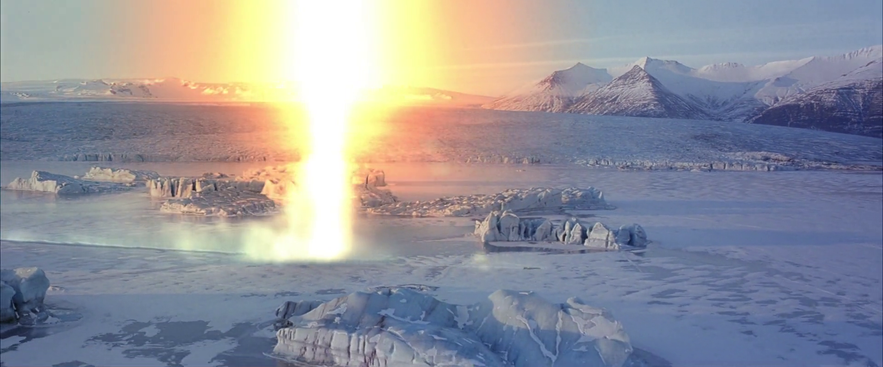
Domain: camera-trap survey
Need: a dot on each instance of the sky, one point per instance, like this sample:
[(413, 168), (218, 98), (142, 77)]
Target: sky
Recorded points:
[(485, 47)]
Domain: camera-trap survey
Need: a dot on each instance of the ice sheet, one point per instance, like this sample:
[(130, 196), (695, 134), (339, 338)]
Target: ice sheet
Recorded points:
[(782, 268)]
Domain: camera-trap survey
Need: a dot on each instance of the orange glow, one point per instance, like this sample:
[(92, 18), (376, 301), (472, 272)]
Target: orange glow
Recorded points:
[(470, 47), (249, 41), (439, 44)]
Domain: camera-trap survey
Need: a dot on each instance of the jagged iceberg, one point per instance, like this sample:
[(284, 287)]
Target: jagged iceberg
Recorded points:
[(402, 327), (508, 227)]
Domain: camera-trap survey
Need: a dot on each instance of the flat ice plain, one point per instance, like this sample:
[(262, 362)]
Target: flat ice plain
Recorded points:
[(745, 268)]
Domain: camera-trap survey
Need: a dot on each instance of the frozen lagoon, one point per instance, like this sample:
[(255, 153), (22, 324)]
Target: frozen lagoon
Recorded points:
[(780, 268)]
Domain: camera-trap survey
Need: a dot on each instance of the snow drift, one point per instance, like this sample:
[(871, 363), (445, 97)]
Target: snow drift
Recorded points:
[(399, 326)]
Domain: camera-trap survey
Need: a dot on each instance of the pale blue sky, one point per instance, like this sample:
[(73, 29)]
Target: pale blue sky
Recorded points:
[(521, 39)]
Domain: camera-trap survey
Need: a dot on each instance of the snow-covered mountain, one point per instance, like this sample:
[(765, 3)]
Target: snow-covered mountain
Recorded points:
[(636, 93), (554, 93), (851, 104), (179, 90), (725, 91), (816, 71), (159, 89)]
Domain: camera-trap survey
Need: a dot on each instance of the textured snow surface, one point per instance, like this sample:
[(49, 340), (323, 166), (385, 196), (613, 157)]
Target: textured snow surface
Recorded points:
[(745, 268), (401, 327), (262, 133)]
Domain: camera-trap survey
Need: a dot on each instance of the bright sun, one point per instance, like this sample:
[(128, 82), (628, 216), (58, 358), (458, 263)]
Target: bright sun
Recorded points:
[(331, 52)]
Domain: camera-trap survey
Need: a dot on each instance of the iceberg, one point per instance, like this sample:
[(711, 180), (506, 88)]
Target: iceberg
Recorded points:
[(22, 292), (508, 227), (402, 327), (41, 181), (118, 174)]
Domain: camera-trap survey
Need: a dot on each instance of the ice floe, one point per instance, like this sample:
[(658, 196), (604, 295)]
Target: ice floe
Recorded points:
[(399, 326), (508, 227), (222, 203), (118, 174), (41, 181)]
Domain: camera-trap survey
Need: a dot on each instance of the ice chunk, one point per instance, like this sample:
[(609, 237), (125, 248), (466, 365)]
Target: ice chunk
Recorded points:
[(509, 224), (42, 181), (508, 227), (118, 174), (372, 196), (184, 187), (637, 236), (489, 229), (576, 235), (30, 286), (624, 236), (544, 231), (397, 326), (7, 312), (369, 177), (602, 237), (223, 203)]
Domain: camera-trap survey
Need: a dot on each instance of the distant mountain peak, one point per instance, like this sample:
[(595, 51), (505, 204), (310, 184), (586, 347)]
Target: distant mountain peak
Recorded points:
[(649, 63), (636, 70), (643, 62), (580, 65), (555, 92), (636, 93), (873, 51), (722, 66)]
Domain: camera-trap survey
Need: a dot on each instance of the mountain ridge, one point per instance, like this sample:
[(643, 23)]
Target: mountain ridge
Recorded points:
[(726, 91), (173, 89)]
